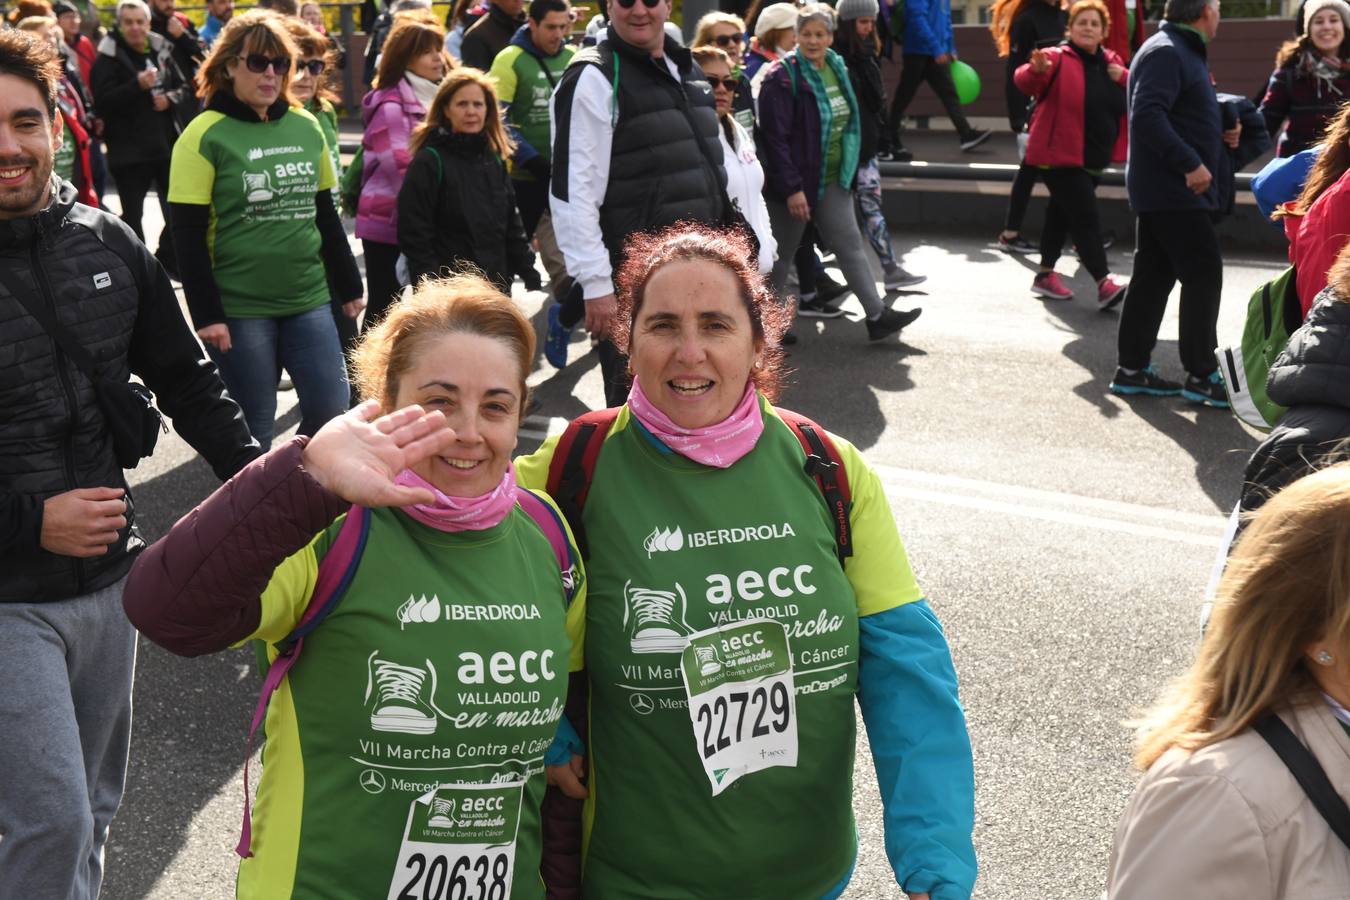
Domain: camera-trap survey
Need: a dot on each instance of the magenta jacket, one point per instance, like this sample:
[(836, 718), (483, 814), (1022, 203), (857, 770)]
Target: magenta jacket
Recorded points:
[(390, 115), (1056, 138)]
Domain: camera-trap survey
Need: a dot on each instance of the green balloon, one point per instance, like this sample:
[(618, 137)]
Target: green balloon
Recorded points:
[(967, 82)]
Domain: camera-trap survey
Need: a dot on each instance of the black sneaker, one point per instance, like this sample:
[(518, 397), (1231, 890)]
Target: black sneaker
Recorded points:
[(1208, 391), (891, 321), (1019, 245), (1145, 381), (813, 309), (827, 289), (972, 140), (899, 154)]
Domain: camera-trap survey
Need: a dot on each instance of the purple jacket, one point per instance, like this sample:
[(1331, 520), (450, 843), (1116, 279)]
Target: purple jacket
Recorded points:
[(390, 115), (788, 134)]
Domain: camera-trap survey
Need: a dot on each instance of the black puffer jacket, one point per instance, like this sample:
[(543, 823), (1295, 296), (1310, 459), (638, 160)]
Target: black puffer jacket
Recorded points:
[(457, 209), (864, 70), (135, 131), (109, 292), (1312, 378)]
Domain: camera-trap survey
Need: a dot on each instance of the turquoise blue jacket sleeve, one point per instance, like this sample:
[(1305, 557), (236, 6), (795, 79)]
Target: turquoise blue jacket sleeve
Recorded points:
[(917, 731), (566, 744)]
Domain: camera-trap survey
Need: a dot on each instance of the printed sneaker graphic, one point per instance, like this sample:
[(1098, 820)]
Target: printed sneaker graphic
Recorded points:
[(663, 540), (657, 617), (706, 657), (399, 693), (258, 186), (416, 609), (442, 813)]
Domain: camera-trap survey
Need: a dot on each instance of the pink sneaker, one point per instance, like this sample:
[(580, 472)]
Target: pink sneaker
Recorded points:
[(1110, 292), (1049, 286)]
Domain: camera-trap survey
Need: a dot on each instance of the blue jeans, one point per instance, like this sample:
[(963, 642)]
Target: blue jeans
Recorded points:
[(307, 345)]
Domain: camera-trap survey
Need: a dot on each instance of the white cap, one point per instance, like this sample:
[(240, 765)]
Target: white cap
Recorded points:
[(775, 16)]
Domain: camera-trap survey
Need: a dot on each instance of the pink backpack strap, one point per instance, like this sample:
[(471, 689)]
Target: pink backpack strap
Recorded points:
[(550, 523), (335, 575)]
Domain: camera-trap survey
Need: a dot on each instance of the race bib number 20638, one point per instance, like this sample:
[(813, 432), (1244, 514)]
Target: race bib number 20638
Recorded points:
[(459, 844), (741, 699)]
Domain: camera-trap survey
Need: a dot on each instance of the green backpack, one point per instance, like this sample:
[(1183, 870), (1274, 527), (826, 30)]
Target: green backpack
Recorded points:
[(349, 188), (1273, 314)]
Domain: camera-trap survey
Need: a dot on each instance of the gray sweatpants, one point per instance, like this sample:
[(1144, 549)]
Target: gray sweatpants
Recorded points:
[(837, 224), (65, 727)]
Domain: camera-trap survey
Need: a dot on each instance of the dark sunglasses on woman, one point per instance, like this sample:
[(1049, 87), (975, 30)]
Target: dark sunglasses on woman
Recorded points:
[(726, 40), (257, 63), (628, 4), (730, 82), (315, 67)]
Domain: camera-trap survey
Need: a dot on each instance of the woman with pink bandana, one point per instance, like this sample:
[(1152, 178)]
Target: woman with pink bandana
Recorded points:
[(740, 600), (407, 745)]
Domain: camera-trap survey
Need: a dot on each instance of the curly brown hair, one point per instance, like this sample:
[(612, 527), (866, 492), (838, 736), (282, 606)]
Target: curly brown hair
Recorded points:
[(314, 45), (731, 249)]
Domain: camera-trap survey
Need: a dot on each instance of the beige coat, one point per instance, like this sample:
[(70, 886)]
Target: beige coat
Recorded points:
[(1230, 821)]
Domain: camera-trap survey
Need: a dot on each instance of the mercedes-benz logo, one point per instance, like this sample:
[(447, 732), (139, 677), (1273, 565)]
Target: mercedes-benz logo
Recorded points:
[(641, 703), (372, 782)]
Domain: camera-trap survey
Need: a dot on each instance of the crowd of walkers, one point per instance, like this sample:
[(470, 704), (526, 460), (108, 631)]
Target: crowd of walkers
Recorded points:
[(520, 676)]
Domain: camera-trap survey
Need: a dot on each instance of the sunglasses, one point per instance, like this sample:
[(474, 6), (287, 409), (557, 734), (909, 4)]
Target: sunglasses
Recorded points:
[(258, 64), (628, 4), (730, 82), (726, 40), (315, 67)]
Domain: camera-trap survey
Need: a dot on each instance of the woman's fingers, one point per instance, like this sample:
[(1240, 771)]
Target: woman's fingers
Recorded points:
[(426, 446), (388, 424), (397, 495)]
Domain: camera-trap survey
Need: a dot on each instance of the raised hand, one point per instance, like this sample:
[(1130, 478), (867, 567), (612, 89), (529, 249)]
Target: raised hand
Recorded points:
[(357, 456), (1040, 63)]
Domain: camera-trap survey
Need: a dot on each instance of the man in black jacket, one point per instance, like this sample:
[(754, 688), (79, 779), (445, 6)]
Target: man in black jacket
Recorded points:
[(66, 519), (491, 33)]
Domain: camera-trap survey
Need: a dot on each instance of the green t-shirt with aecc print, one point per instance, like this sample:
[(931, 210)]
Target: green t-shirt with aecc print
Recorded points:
[(259, 179), (839, 113), (64, 162)]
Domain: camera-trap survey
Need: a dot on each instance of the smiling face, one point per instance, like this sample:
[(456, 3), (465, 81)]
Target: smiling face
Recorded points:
[(641, 25), (1086, 31), (693, 345), (476, 382), (466, 110), (1327, 31), (28, 141), (813, 39)]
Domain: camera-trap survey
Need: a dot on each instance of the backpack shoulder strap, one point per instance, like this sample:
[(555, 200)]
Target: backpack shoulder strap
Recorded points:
[(336, 570), (573, 465), (440, 167), (826, 467), (1308, 773), (550, 523)]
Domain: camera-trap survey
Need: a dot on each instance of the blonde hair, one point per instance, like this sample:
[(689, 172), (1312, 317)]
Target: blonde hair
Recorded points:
[(703, 32), (459, 304), (256, 31), (1286, 586), (498, 139)]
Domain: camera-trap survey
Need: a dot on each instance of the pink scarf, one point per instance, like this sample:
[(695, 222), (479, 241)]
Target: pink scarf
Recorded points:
[(461, 513), (717, 445)]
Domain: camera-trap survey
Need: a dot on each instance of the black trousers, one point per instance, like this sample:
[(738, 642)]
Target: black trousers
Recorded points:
[(532, 201), (915, 70), (1019, 198), (1073, 211), (1172, 247), (133, 183), (382, 287)]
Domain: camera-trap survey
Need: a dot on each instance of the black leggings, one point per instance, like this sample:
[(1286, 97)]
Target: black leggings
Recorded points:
[(133, 182), (915, 69), (1019, 198), (1073, 211), (382, 287)]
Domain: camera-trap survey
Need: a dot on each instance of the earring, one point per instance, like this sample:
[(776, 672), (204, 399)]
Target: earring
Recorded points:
[(1324, 658)]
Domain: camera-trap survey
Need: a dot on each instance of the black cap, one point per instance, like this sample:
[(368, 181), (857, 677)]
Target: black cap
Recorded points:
[(61, 7)]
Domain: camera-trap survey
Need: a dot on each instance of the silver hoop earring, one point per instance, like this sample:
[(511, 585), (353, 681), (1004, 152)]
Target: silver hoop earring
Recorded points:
[(1325, 658)]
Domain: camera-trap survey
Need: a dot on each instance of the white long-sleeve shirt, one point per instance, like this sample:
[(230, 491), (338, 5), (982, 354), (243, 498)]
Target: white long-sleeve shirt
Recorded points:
[(745, 188), (576, 220)]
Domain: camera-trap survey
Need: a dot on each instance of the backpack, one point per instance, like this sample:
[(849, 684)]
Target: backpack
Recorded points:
[(573, 465), (349, 187), (336, 571), (1273, 314)]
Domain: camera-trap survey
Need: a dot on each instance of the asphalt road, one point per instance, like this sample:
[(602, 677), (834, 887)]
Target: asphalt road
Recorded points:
[(1063, 535)]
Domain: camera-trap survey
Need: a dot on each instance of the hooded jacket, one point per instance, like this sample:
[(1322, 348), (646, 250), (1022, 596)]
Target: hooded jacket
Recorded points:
[(457, 209), (526, 77), (390, 115), (488, 36), (135, 131), (1059, 123), (108, 291), (1312, 378)]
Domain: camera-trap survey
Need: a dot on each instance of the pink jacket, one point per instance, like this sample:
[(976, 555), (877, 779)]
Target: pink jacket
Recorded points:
[(1056, 137), (390, 115)]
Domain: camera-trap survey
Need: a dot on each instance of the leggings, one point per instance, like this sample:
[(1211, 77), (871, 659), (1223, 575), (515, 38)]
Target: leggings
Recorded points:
[(873, 221), (1073, 212), (838, 226), (1020, 196), (382, 287)]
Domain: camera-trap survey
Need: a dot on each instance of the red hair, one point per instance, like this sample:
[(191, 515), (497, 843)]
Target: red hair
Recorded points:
[(732, 250)]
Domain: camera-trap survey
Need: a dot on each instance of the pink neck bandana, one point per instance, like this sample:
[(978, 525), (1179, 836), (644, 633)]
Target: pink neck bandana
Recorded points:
[(461, 513), (718, 445)]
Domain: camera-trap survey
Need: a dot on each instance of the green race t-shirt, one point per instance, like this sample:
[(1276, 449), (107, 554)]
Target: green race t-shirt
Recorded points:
[(446, 663), (63, 166), (326, 115), (679, 548), (525, 83), (259, 178), (839, 114)]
